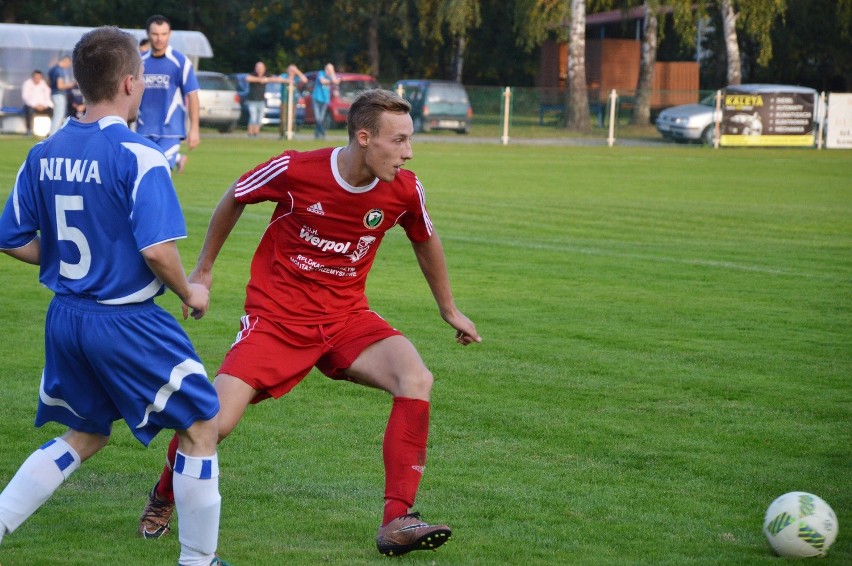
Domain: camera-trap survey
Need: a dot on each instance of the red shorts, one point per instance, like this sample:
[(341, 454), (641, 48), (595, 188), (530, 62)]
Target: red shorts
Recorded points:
[(274, 357)]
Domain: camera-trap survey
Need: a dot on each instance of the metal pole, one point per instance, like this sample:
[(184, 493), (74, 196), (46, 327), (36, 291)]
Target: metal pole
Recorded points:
[(613, 96), (507, 97), (820, 113), (717, 117), (290, 92)]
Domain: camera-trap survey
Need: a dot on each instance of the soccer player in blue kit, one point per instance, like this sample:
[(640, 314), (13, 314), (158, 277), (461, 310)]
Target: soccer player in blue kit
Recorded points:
[(94, 207), (169, 80)]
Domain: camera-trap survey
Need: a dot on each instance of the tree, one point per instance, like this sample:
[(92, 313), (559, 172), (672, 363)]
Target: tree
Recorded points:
[(458, 17), (732, 46), (645, 86), (578, 96), (812, 49)]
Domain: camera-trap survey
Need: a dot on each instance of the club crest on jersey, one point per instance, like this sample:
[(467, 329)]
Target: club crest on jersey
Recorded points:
[(373, 218)]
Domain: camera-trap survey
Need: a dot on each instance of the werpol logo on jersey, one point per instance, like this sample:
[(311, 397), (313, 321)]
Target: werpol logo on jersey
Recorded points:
[(74, 170), (373, 218), (310, 236), (157, 81), (363, 247)]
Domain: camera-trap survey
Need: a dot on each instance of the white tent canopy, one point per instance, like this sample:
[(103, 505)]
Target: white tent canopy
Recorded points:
[(63, 38), (25, 48)]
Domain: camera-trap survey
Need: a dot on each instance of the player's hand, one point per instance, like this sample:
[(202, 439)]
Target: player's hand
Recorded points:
[(193, 138), (204, 277), (198, 300), (465, 329)]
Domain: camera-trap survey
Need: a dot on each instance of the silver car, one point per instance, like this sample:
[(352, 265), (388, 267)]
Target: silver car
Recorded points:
[(218, 101), (689, 122)]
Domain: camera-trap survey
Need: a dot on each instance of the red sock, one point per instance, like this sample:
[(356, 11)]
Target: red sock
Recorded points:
[(165, 488), (404, 452)]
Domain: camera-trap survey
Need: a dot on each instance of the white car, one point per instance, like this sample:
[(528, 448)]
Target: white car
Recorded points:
[(689, 122), (218, 101)]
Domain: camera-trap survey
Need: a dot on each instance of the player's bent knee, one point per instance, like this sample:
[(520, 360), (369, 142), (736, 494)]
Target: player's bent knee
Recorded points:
[(86, 444), (200, 439), (416, 385)]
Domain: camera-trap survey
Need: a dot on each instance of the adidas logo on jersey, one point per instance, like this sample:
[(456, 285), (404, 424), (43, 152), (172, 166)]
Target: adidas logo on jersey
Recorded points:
[(316, 209)]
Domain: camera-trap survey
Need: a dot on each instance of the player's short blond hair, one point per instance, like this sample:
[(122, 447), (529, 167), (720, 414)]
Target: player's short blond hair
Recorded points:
[(369, 106)]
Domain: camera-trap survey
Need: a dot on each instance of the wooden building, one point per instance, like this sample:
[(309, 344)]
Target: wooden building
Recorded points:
[(613, 63)]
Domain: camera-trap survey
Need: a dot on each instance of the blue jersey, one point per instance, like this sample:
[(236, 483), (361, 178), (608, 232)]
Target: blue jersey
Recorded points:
[(168, 79), (97, 194)]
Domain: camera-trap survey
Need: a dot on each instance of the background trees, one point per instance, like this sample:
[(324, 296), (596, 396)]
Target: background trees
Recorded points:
[(488, 42)]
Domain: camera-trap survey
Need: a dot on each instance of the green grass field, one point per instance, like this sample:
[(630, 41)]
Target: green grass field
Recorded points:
[(667, 348)]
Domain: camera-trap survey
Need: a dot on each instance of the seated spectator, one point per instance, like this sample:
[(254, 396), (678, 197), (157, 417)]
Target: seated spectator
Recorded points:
[(36, 95), (76, 104)]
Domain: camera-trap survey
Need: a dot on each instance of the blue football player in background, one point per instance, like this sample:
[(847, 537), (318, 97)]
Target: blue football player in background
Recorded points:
[(95, 208), (171, 89)]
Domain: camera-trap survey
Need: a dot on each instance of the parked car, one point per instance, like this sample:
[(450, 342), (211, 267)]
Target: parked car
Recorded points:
[(437, 105), (218, 101), (342, 97), (272, 113), (696, 123), (689, 122)]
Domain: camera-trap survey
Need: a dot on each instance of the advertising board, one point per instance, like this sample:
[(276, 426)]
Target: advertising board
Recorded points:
[(768, 117)]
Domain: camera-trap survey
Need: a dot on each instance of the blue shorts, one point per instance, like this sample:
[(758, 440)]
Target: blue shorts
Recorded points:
[(255, 111), (133, 362)]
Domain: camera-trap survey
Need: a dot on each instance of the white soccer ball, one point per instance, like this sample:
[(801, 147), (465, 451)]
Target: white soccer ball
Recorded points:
[(800, 524)]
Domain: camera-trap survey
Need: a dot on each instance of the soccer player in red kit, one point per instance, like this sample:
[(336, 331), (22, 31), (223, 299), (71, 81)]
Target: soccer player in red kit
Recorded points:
[(305, 301)]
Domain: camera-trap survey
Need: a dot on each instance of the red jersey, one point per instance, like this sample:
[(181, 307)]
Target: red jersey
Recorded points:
[(312, 262)]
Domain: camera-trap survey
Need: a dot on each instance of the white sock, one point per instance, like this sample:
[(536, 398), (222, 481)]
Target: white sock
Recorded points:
[(198, 503), (36, 480)]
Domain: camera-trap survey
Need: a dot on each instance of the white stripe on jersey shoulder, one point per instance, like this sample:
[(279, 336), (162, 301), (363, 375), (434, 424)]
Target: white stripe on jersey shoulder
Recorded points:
[(170, 55), (187, 68), (147, 158), (108, 121), (421, 192), (339, 178), (262, 176), (16, 204)]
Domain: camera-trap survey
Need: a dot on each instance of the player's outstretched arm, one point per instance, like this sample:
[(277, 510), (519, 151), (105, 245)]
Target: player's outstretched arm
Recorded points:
[(30, 253), (164, 261), (222, 222), (430, 256)]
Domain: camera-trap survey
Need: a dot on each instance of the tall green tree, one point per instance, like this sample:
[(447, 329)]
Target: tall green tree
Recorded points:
[(741, 20), (455, 18)]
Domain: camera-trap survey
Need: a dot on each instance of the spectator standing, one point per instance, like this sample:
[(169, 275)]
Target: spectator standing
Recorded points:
[(61, 83), (36, 95), (113, 252), (321, 96), (169, 80), (295, 77), (256, 97)]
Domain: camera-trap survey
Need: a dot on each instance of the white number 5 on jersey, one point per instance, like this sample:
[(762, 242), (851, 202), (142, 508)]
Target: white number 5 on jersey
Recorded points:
[(74, 235)]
